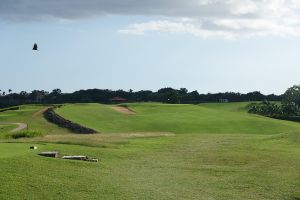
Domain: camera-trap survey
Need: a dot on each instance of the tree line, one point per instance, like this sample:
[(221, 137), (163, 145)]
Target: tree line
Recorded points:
[(288, 108), (164, 95)]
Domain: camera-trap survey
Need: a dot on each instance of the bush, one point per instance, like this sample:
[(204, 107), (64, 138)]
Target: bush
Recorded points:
[(265, 108), (26, 134)]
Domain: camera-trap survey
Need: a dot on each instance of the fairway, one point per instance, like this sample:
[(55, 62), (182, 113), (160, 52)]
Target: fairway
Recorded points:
[(155, 117), (162, 151)]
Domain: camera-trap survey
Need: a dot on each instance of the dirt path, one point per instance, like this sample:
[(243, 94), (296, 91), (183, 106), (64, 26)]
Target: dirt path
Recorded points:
[(40, 112), (123, 110), (21, 126)]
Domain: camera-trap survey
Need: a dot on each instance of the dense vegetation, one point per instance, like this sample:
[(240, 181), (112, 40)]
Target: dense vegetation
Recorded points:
[(166, 95), (289, 108)]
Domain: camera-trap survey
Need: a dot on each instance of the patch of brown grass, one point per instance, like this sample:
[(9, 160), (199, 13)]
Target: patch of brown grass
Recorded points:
[(98, 139)]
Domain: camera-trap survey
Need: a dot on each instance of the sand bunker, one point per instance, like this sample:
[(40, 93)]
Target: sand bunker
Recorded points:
[(123, 110)]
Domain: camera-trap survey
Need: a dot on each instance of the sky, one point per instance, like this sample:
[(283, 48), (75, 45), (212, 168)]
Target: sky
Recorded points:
[(205, 45)]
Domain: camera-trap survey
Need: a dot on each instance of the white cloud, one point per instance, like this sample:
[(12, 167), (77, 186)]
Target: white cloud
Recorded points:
[(240, 19), (203, 18), (174, 27)]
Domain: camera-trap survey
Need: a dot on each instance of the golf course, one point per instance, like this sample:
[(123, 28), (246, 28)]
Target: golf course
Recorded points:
[(151, 151)]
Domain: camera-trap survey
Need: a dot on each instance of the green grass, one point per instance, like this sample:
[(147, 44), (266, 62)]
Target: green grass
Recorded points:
[(25, 134), (206, 118), (26, 114), (219, 152), (5, 128)]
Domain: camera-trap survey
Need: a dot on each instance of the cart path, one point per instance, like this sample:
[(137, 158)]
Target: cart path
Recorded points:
[(40, 112), (20, 126)]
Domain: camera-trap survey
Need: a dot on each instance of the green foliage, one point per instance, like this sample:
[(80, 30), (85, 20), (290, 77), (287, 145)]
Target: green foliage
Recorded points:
[(266, 108), (290, 109), (292, 95), (25, 134)]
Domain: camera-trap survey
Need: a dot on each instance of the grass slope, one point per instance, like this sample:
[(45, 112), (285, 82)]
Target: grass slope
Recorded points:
[(29, 114), (241, 156), (206, 118)]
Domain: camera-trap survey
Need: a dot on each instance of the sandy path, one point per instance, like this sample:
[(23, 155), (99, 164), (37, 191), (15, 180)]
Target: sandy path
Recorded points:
[(123, 110), (21, 126), (40, 112)]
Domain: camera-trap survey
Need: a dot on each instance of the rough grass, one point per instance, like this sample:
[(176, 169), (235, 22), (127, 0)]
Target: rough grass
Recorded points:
[(25, 134), (240, 156), (209, 166)]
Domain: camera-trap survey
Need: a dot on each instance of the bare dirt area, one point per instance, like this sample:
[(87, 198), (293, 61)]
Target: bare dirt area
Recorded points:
[(40, 112), (21, 126), (123, 110)]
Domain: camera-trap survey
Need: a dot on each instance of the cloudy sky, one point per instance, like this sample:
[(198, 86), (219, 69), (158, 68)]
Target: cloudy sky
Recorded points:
[(204, 45)]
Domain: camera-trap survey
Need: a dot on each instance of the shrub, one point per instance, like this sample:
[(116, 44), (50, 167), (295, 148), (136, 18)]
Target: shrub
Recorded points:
[(266, 108), (26, 134)]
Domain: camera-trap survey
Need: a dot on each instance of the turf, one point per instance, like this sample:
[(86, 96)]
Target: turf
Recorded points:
[(5, 129), (27, 114), (206, 118), (242, 157)]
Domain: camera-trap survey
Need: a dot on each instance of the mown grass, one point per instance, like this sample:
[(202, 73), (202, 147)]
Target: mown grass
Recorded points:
[(152, 117), (241, 157), (27, 114), (5, 128), (183, 167)]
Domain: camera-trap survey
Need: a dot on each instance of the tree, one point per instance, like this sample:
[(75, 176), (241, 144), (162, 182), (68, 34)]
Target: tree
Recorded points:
[(292, 95), (290, 109), (172, 97)]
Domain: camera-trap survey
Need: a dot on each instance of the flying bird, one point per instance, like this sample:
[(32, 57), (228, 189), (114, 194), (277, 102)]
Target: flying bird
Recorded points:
[(35, 47)]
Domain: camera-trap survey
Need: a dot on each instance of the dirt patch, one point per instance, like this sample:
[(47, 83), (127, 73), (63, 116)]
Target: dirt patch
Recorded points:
[(40, 112), (21, 126), (123, 110)]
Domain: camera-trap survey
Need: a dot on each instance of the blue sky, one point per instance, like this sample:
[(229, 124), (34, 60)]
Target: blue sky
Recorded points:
[(146, 51)]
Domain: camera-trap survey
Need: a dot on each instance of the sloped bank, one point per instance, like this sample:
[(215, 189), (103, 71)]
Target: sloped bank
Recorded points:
[(51, 116), (10, 108)]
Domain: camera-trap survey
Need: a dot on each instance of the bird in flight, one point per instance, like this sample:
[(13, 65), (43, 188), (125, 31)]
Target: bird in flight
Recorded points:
[(35, 47)]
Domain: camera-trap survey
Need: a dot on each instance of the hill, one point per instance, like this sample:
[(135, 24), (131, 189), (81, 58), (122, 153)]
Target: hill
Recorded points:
[(160, 151)]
